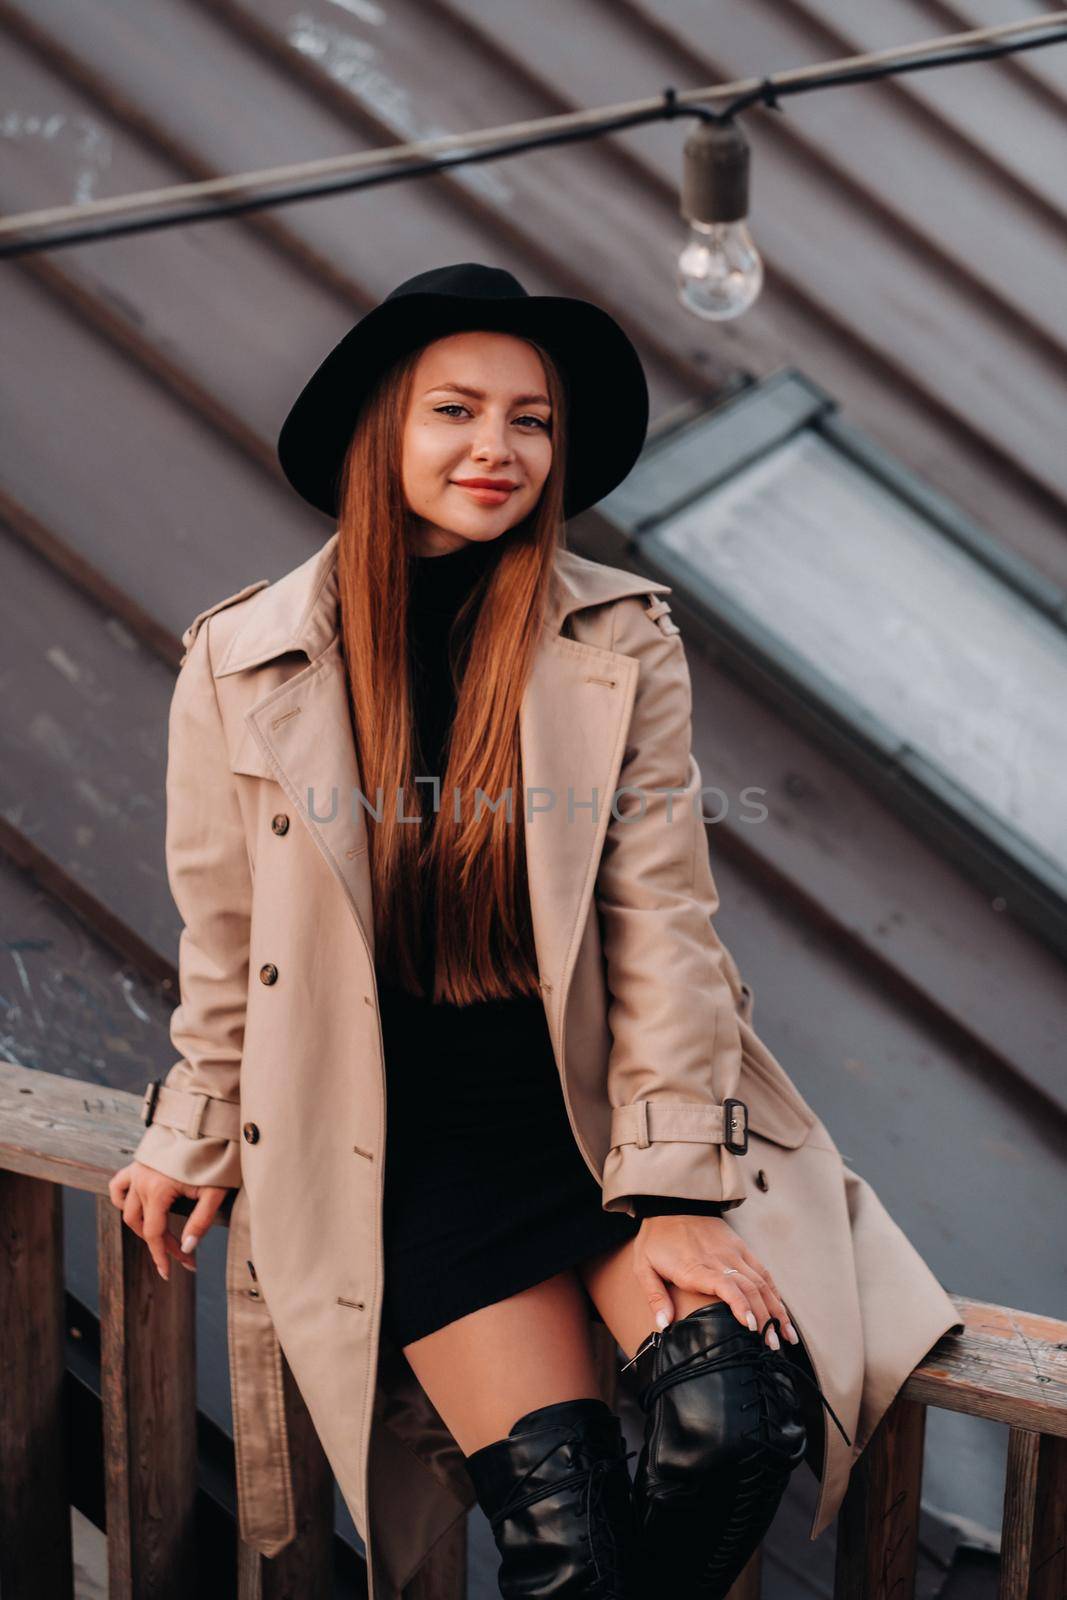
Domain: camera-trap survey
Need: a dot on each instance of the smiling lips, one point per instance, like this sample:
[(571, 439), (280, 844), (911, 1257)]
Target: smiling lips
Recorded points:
[(490, 491)]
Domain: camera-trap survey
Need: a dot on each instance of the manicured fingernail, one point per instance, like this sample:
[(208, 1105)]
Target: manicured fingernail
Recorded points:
[(662, 1319), (791, 1333), (189, 1242), (751, 1320), (773, 1340), (162, 1274)]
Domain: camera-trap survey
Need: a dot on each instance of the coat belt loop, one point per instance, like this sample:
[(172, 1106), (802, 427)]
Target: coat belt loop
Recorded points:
[(196, 1116), (643, 1139)]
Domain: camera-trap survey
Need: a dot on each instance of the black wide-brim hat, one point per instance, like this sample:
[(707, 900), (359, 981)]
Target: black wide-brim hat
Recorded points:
[(607, 396)]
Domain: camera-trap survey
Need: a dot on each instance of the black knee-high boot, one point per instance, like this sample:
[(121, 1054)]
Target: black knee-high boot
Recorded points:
[(724, 1429), (558, 1496)]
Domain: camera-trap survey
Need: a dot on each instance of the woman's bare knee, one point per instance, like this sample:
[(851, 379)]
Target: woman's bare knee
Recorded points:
[(487, 1369)]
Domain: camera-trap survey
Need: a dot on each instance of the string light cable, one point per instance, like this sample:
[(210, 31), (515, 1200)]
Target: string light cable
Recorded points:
[(723, 274)]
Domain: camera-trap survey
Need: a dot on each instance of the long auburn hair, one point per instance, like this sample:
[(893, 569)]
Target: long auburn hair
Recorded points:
[(474, 866)]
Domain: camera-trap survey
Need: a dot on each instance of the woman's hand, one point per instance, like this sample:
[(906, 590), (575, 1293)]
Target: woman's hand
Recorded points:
[(145, 1196), (694, 1253)]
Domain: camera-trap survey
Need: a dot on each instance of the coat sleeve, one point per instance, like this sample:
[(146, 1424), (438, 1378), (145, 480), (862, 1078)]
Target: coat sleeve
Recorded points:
[(676, 1043), (194, 1128)]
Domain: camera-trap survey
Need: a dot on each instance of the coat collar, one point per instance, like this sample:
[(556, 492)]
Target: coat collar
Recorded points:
[(300, 612)]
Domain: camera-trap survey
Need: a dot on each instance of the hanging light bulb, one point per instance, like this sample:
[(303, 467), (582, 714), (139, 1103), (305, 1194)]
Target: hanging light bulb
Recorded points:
[(720, 271)]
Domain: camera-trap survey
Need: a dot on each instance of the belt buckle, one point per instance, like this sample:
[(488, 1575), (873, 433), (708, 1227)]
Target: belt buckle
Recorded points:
[(148, 1101), (737, 1147)]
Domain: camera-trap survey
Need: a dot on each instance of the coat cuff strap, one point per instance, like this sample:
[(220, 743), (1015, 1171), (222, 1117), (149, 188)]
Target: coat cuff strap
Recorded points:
[(685, 1121), (198, 1116)]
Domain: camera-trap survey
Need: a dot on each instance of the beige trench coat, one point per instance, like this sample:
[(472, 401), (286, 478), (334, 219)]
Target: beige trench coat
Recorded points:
[(280, 1091)]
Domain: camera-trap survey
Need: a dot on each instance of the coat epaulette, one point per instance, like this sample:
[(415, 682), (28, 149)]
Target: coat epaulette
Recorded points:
[(231, 599), (659, 611)]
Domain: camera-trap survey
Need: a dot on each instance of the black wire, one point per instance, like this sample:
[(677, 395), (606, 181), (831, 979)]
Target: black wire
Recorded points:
[(207, 211), (885, 69), (767, 93)]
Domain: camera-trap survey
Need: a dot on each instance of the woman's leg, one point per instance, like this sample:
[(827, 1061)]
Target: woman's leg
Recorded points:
[(492, 1366), (719, 1442), (516, 1385)]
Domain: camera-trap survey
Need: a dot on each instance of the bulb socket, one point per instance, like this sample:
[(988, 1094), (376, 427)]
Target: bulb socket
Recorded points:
[(715, 174)]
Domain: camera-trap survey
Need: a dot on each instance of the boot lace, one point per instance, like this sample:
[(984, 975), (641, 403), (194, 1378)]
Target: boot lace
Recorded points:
[(601, 1537), (763, 1364), (604, 1550), (768, 1461)]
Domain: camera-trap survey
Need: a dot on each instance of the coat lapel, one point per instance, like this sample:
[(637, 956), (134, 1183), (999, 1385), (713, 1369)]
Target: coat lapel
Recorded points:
[(304, 730), (573, 720), (572, 726)]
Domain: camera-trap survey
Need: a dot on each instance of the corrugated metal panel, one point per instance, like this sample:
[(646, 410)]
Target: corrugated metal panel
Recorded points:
[(71, 1005)]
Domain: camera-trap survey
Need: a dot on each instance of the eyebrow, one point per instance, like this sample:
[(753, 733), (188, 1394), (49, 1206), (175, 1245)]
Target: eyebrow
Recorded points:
[(478, 394)]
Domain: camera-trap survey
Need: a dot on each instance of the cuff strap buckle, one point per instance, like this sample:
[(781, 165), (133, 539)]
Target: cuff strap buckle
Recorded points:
[(148, 1101), (735, 1127)]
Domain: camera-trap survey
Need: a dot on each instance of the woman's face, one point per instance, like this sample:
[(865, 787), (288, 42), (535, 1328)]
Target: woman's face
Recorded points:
[(479, 410)]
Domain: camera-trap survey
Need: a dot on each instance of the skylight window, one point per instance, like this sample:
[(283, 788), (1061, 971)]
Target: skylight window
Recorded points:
[(908, 634)]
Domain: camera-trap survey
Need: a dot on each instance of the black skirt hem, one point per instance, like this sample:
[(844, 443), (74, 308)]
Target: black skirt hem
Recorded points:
[(501, 1286)]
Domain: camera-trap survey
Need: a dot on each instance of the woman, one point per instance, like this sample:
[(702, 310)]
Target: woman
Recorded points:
[(525, 1182)]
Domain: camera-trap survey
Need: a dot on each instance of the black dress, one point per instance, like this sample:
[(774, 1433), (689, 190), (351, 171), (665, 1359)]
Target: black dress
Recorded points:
[(486, 1190)]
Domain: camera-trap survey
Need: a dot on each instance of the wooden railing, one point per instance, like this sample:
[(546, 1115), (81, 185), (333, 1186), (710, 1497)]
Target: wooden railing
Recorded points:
[(1010, 1366)]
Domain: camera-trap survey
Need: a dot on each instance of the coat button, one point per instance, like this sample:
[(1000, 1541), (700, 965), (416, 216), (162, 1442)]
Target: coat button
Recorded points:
[(761, 1180), (280, 823), (251, 1132), (269, 973)]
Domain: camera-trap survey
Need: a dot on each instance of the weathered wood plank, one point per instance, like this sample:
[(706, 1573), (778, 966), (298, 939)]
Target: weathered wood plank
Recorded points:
[(65, 1130), (35, 1537), (1010, 1366), (148, 1396), (1033, 1550), (878, 1524)]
